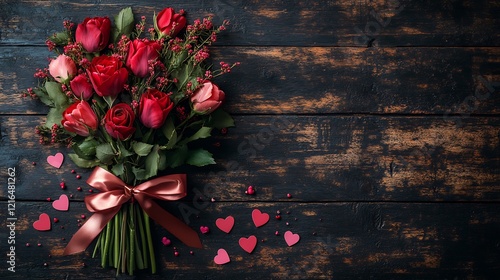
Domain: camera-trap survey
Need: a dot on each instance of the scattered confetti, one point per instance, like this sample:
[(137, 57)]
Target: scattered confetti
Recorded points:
[(204, 229), (291, 238), (222, 257), (165, 241), (56, 160), (225, 224), (43, 223), (248, 244), (61, 204), (259, 218)]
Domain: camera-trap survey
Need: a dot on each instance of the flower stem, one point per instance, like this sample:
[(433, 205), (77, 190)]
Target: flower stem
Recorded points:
[(143, 237), (150, 243), (131, 239), (107, 241)]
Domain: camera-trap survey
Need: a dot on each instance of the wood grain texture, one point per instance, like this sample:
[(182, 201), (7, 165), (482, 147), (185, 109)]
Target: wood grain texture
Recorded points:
[(279, 22), (292, 80), (352, 240), (317, 158)]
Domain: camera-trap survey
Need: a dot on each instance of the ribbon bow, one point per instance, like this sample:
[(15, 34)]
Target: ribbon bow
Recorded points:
[(114, 192)]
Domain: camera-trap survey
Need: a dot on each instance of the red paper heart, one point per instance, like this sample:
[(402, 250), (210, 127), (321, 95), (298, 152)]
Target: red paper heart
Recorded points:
[(259, 218), (222, 257), (226, 225), (165, 241), (204, 229), (43, 223), (291, 238), (56, 160), (62, 204), (248, 244)]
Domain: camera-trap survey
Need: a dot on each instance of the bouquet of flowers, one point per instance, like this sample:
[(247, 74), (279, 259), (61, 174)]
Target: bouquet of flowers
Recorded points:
[(130, 102)]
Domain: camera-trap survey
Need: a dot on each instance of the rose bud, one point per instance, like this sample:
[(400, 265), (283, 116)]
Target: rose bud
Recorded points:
[(80, 119), (207, 98), (140, 53), (107, 74), (169, 23), (62, 68), (93, 33), (81, 87), (119, 121), (154, 108)]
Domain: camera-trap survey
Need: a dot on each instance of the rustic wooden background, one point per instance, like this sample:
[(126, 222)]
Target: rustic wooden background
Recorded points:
[(381, 118)]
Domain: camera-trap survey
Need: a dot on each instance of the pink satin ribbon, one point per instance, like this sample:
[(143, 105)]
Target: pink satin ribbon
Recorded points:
[(114, 192)]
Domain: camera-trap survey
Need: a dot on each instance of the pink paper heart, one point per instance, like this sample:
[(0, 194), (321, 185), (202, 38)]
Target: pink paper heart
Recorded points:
[(56, 160), (165, 241), (61, 204), (248, 244), (226, 225), (222, 257), (259, 218), (204, 229), (291, 238), (43, 223)]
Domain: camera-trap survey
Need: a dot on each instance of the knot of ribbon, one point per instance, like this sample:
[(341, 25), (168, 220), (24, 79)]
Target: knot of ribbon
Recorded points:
[(114, 192)]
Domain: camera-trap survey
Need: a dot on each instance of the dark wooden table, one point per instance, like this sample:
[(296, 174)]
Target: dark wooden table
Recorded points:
[(380, 118)]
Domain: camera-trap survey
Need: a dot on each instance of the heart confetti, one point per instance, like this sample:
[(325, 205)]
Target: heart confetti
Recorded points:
[(165, 241), (259, 218), (204, 229), (56, 160), (248, 244), (291, 238), (43, 223), (61, 204), (222, 257), (226, 225)]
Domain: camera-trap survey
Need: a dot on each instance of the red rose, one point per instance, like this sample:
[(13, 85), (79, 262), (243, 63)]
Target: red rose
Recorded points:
[(81, 87), (80, 119), (62, 68), (154, 108), (169, 23), (140, 53), (119, 121), (107, 74), (207, 98), (93, 33)]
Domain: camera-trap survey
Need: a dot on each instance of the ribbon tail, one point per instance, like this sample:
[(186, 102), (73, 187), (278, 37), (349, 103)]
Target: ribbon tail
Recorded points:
[(173, 225), (89, 231)]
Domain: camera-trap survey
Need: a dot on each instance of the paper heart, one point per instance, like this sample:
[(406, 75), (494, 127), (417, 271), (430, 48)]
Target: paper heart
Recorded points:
[(165, 241), (248, 244), (259, 218), (204, 229), (226, 225), (56, 160), (61, 204), (291, 238), (222, 257), (43, 223)]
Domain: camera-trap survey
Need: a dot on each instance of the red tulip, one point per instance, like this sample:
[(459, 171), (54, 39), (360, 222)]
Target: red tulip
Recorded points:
[(80, 119), (62, 68), (207, 98), (154, 108), (81, 87), (93, 33), (107, 74), (119, 121), (140, 53), (169, 23)]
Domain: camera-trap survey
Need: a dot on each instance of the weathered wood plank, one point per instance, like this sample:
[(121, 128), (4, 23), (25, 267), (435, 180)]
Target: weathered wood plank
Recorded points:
[(351, 241), (309, 23), (290, 80), (315, 158)]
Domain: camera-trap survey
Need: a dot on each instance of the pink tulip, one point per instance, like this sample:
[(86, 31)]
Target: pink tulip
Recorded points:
[(62, 68), (207, 98), (80, 119)]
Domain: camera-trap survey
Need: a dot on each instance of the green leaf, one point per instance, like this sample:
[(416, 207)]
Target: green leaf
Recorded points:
[(55, 93), (124, 152), (200, 157), (203, 132), (54, 117), (118, 169), (86, 149), (176, 157), (139, 173), (83, 163), (142, 149), (105, 153), (220, 119), (41, 93), (162, 162), (124, 23), (152, 162), (170, 133)]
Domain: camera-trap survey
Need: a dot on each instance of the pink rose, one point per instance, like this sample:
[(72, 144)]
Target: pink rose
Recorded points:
[(154, 108), (81, 87), (93, 33), (140, 53), (207, 98), (169, 23), (62, 68), (80, 119)]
